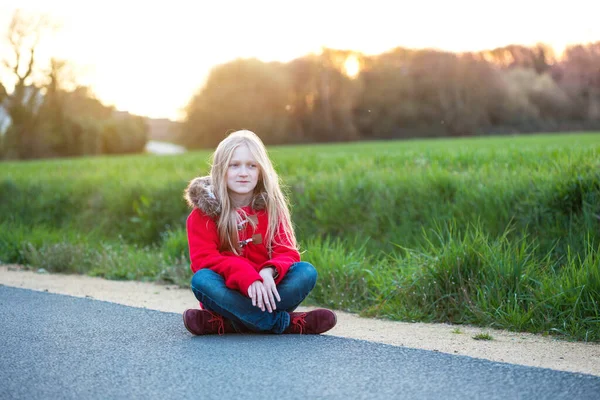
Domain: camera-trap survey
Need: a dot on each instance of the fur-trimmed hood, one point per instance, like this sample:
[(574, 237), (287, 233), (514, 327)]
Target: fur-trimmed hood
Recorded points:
[(200, 194)]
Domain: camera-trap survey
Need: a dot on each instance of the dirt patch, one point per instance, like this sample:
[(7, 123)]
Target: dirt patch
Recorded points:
[(510, 347)]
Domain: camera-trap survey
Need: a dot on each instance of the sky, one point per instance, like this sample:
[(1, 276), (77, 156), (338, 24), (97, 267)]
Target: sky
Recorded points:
[(150, 58)]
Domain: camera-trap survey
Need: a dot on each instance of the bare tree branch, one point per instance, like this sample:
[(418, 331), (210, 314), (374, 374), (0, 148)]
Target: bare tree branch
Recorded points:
[(7, 64), (24, 35), (3, 93), (30, 66)]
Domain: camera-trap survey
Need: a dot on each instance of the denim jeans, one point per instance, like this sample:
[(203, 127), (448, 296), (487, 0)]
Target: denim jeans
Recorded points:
[(209, 288)]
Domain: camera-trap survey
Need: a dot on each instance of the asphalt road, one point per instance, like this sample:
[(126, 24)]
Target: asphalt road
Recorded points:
[(62, 347)]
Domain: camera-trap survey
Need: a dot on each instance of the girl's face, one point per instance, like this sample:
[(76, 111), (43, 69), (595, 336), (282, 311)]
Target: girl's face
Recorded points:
[(242, 173)]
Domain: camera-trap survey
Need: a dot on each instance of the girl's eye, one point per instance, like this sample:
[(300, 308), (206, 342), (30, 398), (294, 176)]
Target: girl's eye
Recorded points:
[(234, 165), (252, 165)]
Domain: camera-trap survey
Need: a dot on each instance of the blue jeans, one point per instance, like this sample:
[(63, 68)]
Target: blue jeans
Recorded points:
[(209, 288)]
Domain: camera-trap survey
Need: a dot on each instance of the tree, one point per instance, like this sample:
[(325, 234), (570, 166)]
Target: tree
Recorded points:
[(540, 57), (47, 120), (23, 103), (410, 93), (323, 97), (242, 94), (579, 75)]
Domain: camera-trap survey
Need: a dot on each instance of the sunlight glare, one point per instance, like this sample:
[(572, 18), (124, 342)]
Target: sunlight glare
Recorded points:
[(352, 66)]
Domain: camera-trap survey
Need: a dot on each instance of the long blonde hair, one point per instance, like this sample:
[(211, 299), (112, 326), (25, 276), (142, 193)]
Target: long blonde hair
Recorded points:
[(276, 203)]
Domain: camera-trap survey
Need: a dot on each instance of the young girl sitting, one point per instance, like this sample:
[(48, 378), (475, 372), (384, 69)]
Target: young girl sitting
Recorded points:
[(248, 276)]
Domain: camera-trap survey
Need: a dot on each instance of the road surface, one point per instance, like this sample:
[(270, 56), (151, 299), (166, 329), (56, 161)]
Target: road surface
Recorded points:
[(62, 347)]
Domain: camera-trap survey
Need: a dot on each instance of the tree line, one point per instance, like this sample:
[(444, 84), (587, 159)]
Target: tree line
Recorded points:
[(336, 95), (403, 93), (41, 118)]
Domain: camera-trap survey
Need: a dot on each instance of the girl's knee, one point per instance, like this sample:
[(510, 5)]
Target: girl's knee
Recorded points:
[(308, 272), (203, 279)]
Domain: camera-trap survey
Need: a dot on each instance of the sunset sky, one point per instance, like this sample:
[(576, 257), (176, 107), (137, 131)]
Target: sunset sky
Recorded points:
[(150, 58)]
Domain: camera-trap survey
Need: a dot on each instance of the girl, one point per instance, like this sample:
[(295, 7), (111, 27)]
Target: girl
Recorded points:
[(247, 270)]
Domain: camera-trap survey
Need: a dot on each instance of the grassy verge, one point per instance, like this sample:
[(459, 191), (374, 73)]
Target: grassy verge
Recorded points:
[(500, 232)]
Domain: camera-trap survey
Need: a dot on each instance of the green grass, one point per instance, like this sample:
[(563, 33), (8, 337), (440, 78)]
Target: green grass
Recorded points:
[(499, 231), (483, 336)]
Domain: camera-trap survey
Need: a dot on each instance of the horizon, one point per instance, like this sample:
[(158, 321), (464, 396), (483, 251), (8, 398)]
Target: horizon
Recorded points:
[(176, 60)]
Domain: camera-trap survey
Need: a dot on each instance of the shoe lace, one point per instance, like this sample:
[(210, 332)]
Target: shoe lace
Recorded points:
[(216, 318), (299, 321)]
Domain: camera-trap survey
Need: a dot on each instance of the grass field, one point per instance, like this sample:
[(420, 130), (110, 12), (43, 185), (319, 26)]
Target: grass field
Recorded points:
[(495, 231)]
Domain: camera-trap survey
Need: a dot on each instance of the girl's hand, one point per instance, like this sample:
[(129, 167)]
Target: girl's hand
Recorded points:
[(270, 287), (258, 294)]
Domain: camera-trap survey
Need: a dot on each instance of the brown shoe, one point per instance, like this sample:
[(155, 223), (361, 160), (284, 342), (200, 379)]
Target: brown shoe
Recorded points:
[(203, 322), (312, 322)]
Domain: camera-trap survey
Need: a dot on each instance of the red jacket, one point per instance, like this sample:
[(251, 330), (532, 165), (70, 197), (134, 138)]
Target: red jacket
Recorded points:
[(239, 271)]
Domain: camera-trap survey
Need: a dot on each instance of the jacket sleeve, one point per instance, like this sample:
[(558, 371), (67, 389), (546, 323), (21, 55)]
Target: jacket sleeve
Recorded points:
[(284, 255), (203, 242)]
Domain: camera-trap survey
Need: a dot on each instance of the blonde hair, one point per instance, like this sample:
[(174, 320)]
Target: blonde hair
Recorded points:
[(276, 203)]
